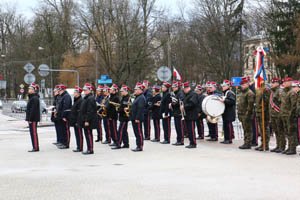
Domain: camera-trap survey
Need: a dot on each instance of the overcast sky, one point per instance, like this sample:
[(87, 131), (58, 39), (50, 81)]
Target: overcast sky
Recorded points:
[(25, 6)]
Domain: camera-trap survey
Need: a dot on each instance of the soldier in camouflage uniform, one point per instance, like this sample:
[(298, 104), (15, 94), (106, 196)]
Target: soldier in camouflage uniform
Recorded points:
[(245, 111), (288, 114), (275, 120), (262, 94)]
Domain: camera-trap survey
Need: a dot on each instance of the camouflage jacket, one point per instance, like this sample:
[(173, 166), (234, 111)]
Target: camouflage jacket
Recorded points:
[(246, 103), (275, 102), (288, 99)]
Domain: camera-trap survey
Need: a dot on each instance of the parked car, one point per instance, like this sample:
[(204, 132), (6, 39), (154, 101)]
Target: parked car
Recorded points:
[(1, 104), (18, 106)]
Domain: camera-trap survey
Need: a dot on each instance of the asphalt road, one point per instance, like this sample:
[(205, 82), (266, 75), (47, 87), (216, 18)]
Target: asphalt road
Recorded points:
[(212, 171)]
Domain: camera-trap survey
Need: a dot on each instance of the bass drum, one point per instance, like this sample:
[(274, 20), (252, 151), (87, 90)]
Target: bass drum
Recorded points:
[(212, 106)]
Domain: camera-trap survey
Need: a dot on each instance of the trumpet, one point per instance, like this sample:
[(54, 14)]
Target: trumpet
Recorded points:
[(117, 105), (102, 111), (127, 110)]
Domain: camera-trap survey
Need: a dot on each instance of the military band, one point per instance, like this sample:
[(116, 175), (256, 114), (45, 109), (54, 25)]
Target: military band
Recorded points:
[(277, 106)]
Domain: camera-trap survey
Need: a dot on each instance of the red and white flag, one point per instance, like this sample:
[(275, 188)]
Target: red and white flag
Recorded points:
[(177, 75)]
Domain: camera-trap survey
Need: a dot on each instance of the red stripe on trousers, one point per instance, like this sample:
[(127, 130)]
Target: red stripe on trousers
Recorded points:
[(193, 131), (157, 129), (141, 136), (115, 130), (182, 133), (68, 133), (80, 138), (91, 141), (108, 126), (34, 135), (121, 133), (230, 131)]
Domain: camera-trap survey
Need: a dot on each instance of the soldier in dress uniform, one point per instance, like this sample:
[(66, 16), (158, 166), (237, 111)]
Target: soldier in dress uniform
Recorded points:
[(147, 113), (156, 114), (201, 115), (245, 111), (123, 118), (276, 122), (106, 91), (63, 115), (112, 113), (166, 112), (54, 114), (99, 99), (213, 128), (33, 115), (229, 114), (137, 116), (75, 120), (262, 95), (88, 117), (189, 107)]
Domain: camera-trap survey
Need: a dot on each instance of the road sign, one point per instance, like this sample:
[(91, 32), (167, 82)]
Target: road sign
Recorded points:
[(44, 70), (164, 73), (104, 80), (29, 67), (22, 90), (236, 81), (2, 84), (29, 78)]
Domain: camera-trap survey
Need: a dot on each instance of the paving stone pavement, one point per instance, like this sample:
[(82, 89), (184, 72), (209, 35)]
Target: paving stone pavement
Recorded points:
[(162, 172)]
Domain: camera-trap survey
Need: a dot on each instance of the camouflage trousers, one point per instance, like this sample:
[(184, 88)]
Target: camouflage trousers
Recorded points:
[(260, 128), (247, 123), (290, 129), (277, 126)]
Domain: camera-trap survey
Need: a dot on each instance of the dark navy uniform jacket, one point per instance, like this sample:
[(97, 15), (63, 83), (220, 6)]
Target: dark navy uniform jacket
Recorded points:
[(64, 106)]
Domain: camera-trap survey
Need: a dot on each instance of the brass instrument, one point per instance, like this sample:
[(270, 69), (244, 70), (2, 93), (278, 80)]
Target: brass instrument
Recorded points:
[(102, 111), (117, 105), (127, 109)]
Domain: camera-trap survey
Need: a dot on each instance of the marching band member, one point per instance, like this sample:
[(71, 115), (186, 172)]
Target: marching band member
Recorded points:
[(137, 116), (189, 107), (177, 97), (74, 120), (54, 114), (229, 114), (63, 114), (106, 91), (99, 99), (33, 115), (213, 128), (166, 112), (147, 113), (123, 118), (88, 117), (112, 113), (156, 114), (201, 115)]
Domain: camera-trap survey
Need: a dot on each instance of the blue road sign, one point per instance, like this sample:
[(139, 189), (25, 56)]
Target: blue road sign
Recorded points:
[(104, 80), (236, 81)]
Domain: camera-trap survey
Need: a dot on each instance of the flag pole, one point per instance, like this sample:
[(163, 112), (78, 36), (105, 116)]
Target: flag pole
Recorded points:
[(263, 116)]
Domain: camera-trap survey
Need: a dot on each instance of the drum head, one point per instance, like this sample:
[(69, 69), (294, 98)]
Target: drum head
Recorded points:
[(212, 106)]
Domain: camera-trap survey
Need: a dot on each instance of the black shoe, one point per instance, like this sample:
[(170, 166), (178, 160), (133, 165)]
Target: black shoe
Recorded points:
[(186, 136), (291, 152), (116, 147), (113, 145), (260, 148), (98, 140), (147, 139), (55, 143), (245, 146), (155, 140), (274, 150), (279, 150), (77, 150), (191, 146), (165, 142), (63, 147), (284, 152), (34, 150), (226, 142), (88, 152), (106, 142), (207, 136), (137, 149), (59, 144), (201, 138), (178, 144), (125, 146), (254, 145), (212, 140)]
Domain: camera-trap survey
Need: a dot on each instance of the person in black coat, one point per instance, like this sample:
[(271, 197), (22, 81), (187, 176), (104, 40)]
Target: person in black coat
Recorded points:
[(54, 115), (191, 113), (123, 118), (63, 116), (147, 112), (88, 117), (137, 116), (177, 96), (99, 99), (201, 115), (156, 114), (166, 112), (33, 115), (228, 116), (74, 120), (112, 113)]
